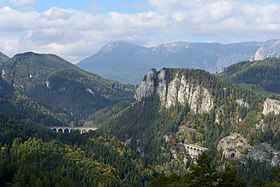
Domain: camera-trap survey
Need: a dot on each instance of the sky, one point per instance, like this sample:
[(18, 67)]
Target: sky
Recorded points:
[(76, 29)]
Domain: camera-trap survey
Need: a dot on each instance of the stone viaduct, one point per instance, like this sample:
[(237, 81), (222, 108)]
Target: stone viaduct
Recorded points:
[(194, 150), (71, 129)]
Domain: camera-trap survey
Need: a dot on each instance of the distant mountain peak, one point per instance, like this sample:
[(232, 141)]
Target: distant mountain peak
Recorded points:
[(117, 44)]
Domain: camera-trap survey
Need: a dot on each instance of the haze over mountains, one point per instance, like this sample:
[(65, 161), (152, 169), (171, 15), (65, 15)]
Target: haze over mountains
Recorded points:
[(127, 62)]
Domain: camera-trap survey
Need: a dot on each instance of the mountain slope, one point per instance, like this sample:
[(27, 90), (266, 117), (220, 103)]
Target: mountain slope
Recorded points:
[(127, 62), (3, 58), (54, 82), (20, 107), (261, 75)]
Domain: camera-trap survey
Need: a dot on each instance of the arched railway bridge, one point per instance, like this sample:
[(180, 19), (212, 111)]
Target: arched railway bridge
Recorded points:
[(64, 129)]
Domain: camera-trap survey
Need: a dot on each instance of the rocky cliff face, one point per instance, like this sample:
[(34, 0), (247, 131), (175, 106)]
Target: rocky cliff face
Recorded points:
[(271, 106), (233, 146), (175, 91)]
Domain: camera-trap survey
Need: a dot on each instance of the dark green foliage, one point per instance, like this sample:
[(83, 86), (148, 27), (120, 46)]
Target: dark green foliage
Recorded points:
[(5, 88), (163, 181), (33, 155), (57, 164), (100, 117), (261, 171), (230, 177), (18, 106), (260, 75), (202, 174)]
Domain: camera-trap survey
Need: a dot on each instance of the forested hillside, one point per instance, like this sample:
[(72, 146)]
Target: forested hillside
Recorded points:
[(31, 155), (193, 105), (263, 75), (18, 106), (61, 86)]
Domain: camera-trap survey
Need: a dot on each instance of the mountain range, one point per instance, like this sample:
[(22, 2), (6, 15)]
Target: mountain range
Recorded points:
[(127, 62)]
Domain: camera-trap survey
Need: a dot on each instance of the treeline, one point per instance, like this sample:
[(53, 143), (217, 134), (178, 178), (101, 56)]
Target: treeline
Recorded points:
[(34, 156), (205, 174)]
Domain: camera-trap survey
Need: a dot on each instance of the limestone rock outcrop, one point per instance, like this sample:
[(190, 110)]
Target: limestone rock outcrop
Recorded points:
[(147, 86), (264, 153), (242, 103), (233, 145), (176, 91), (271, 106)]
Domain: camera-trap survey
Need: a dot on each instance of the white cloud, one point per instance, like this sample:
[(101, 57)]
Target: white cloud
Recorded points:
[(23, 2), (75, 35)]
